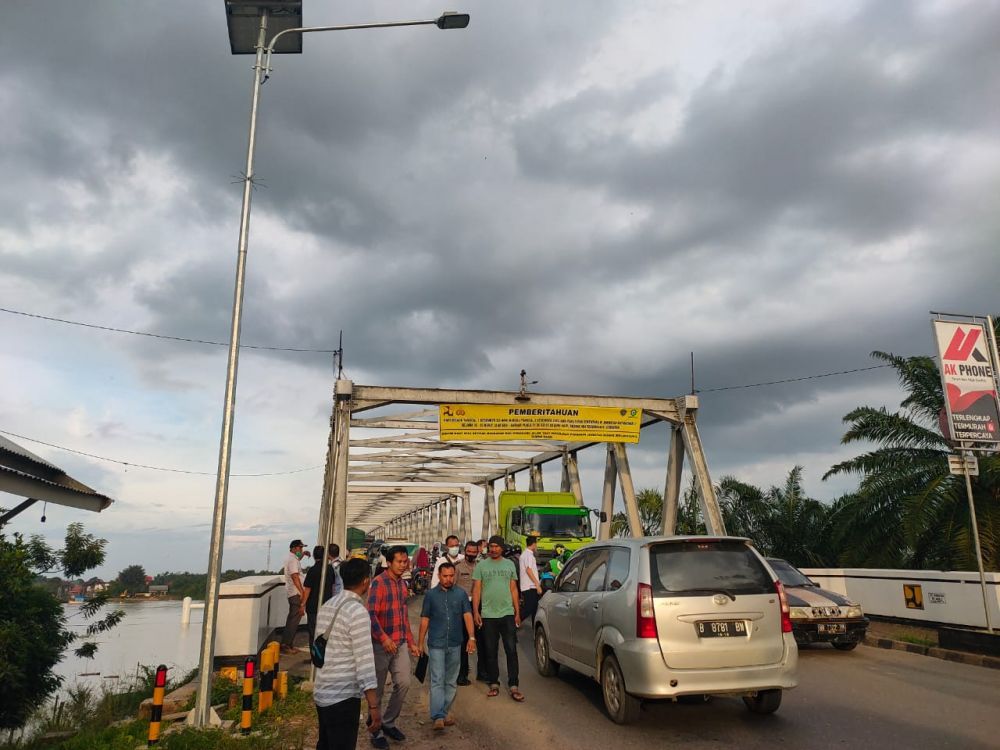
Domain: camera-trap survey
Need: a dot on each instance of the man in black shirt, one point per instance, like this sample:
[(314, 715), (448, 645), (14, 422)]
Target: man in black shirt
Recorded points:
[(333, 585)]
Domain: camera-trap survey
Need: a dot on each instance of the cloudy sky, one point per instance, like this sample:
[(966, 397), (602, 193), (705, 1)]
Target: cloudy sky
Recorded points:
[(587, 190)]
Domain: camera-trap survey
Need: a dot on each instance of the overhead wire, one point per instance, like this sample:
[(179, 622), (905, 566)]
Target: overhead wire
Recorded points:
[(791, 380), (338, 353), (133, 464), (148, 334)]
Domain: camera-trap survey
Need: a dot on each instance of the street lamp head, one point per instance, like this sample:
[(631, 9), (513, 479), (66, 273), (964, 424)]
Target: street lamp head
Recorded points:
[(243, 20), (452, 20)]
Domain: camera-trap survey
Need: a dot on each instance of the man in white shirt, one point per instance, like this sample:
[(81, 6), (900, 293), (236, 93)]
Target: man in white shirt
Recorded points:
[(294, 592), (452, 554), (531, 584), (348, 670)]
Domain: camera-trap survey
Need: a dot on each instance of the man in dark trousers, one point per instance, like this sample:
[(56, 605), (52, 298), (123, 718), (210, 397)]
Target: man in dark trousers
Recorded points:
[(348, 671), (293, 590), (496, 607), (464, 568), (530, 583), (310, 587)]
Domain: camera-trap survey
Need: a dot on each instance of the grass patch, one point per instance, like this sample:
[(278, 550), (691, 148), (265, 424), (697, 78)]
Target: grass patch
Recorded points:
[(107, 721), (917, 640)]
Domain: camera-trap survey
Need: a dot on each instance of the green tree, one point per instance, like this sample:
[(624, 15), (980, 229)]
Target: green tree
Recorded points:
[(780, 521), (132, 579), (650, 504), (908, 510), (33, 633)]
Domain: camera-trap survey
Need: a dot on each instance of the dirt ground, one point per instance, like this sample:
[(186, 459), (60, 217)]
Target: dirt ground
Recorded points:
[(415, 721)]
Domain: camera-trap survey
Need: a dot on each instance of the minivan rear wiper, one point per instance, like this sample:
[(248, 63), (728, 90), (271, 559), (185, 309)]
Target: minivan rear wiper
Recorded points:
[(728, 593)]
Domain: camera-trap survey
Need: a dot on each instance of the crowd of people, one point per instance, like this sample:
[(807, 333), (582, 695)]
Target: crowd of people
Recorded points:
[(473, 606)]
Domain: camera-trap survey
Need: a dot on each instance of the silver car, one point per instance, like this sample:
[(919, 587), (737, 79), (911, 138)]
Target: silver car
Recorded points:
[(665, 617)]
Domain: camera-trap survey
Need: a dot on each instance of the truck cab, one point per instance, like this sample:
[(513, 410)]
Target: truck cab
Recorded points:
[(554, 517)]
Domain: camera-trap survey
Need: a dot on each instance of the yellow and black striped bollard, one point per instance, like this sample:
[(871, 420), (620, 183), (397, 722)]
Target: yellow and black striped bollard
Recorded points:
[(276, 656), (156, 712), (246, 714), (266, 697)]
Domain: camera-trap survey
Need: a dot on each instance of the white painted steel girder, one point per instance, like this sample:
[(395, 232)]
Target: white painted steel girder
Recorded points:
[(419, 485)]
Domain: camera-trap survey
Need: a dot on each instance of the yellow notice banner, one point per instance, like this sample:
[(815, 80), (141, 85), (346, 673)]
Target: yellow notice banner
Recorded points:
[(528, 422)]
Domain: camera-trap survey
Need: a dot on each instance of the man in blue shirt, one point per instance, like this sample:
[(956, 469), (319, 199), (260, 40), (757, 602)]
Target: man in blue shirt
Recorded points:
[(446, 612)]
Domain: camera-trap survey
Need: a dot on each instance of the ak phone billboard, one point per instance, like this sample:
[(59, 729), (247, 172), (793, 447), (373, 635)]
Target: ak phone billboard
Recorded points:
[(966, 354)]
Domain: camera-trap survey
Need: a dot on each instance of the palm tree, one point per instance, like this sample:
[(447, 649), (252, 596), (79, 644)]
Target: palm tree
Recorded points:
[(908, 510), (650, 504), (744, 510), (781, 521)]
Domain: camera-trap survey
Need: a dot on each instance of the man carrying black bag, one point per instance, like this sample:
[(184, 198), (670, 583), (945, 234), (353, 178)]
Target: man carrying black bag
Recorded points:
[(348, 662), (445, 616)]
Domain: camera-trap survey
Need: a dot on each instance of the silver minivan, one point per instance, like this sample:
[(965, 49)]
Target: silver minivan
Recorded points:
[(665, 617)]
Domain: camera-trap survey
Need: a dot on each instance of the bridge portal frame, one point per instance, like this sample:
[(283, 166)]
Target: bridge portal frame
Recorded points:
[(421, 479)]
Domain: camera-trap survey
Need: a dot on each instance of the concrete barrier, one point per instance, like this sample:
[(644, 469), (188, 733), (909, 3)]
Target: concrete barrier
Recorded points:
[(250, 610), (948, 597)]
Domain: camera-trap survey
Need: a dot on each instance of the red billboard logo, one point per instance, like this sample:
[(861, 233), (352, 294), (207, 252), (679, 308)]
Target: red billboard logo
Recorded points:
[(962, 344)]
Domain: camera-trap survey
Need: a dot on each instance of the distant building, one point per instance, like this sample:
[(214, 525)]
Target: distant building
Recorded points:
[(158, 590), (95, 586)]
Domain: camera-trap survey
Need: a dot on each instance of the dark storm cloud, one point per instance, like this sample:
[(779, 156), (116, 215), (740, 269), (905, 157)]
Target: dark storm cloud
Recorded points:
[(781, 133), (463, 204)]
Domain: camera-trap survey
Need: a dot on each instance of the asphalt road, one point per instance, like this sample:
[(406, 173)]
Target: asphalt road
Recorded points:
[(868, 698)]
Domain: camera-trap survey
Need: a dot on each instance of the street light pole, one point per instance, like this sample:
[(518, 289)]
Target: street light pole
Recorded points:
[(202, 714)]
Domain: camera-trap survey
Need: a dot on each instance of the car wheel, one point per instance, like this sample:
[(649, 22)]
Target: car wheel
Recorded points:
[(543, 661), (849, 646), (622, 707), (764, 702)]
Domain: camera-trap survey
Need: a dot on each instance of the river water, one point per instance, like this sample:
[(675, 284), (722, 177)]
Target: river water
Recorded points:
[(151, 634)]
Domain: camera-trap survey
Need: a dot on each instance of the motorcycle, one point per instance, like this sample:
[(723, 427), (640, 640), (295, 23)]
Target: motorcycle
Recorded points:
[(421, 580)]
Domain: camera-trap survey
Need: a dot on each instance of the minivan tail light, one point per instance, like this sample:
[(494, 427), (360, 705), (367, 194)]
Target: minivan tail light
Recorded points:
[(645, 615), (786, 620)]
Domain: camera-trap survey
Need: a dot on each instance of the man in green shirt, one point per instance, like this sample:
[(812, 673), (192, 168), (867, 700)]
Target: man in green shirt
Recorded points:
[(496, 604)]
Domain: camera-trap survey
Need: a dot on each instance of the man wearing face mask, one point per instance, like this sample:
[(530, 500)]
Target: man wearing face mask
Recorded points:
[(463, 580), (294, 592), (452, 554)]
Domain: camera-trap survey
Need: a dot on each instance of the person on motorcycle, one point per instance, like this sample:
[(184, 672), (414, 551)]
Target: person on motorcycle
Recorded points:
[(452, 554), (421, 571), (558, 559)]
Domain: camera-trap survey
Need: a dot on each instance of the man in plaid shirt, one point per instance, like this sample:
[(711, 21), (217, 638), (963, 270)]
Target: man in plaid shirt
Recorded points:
[(392, 640)]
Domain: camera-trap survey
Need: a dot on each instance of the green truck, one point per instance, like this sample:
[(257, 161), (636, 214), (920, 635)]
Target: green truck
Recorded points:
[(555, 517)]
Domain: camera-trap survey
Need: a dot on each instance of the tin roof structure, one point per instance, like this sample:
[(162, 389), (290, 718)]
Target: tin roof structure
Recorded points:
[(26, 475)]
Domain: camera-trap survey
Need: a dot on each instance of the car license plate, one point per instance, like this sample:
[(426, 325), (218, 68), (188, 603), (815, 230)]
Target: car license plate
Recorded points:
[(721, 628), (832, 627)]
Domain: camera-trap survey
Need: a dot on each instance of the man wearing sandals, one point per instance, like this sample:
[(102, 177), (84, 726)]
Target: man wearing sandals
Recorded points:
[(495, 602)]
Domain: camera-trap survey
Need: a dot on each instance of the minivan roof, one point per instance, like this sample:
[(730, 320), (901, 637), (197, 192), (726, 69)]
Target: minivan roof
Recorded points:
[(640, 541)]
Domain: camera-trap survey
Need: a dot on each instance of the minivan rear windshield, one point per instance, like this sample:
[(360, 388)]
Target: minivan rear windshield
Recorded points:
[(703, 568), (788, 575)]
